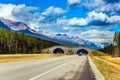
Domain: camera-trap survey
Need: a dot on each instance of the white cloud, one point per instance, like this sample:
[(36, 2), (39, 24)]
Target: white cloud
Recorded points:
[(26, 14), (98, 36), (92, 19), (85, 4), (111, 9), (103, 19), (88, 21), (52, 14), (65, 28), (73, 22), (97, 16), (92, 4), (6, 11), (53, 11), (62, 22), (77, 22), (72, 2), (114, 19), (16, 12), (22, 9), (20, 13)]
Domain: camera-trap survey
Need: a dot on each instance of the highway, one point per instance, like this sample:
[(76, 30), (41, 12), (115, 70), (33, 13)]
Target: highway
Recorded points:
[(59, 68)]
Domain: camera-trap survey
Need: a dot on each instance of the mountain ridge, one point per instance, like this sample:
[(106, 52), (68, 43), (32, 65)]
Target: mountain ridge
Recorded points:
[(62, 39), (77, 39), (28, 31)]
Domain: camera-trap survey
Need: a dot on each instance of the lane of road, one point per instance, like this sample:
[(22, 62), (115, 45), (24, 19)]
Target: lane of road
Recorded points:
[(60, 68)]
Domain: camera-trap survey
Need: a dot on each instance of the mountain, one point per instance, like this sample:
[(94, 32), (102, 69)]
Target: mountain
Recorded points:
[(62, 36), (23, 28), (62, 39), (79, 40), (102, 45), (84, 42), (14, 25), (2, 24), (76, 39)]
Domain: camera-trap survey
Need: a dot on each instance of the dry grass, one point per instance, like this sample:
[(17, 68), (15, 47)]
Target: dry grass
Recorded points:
[(109, 66), (20, 57), (109, 71), (115, 60)]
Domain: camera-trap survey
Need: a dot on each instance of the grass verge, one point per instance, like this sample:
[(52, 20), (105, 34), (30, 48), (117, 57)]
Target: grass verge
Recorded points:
[(115, 60), (109, 66), (20, 57), (110, 72)]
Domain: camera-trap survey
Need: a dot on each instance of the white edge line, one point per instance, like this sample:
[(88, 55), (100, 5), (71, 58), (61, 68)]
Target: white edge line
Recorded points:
[(48, 71)]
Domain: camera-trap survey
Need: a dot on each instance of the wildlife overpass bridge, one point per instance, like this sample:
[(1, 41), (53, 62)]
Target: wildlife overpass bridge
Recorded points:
[(69, 50)]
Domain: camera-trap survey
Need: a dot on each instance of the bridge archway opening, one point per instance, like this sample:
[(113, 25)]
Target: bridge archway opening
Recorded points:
[(58, 50), (82, 52)]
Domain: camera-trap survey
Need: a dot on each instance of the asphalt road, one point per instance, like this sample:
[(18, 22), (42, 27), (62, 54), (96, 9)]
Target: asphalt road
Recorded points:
[(59, 68)]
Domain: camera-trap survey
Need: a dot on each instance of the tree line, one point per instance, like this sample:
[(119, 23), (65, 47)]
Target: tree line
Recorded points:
[(114, 48), (13, 43)]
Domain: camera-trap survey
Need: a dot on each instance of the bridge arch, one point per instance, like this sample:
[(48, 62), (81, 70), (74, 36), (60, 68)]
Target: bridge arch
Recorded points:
[(82, 52), (66, 50), (58, 50)]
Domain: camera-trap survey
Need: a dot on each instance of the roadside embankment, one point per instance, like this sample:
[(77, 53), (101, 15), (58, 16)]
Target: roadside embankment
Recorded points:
[(109, 66)]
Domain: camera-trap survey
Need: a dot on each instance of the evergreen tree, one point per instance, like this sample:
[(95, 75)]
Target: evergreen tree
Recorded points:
[(13, 42), (117, 43)]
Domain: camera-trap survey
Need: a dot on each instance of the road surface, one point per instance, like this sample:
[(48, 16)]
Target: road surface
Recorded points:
[(59, 68)]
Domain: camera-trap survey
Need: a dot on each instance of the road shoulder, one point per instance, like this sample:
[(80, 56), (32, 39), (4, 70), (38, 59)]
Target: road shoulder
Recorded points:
[(97, 74)]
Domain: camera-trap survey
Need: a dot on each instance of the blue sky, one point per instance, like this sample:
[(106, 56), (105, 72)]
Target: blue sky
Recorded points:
[(92, 20)]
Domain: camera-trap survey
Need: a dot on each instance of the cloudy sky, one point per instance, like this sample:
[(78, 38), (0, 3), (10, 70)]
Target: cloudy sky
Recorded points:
[(92, 20)]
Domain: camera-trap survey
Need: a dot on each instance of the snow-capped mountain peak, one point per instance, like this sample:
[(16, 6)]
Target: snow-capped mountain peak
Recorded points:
[(14, 25)]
